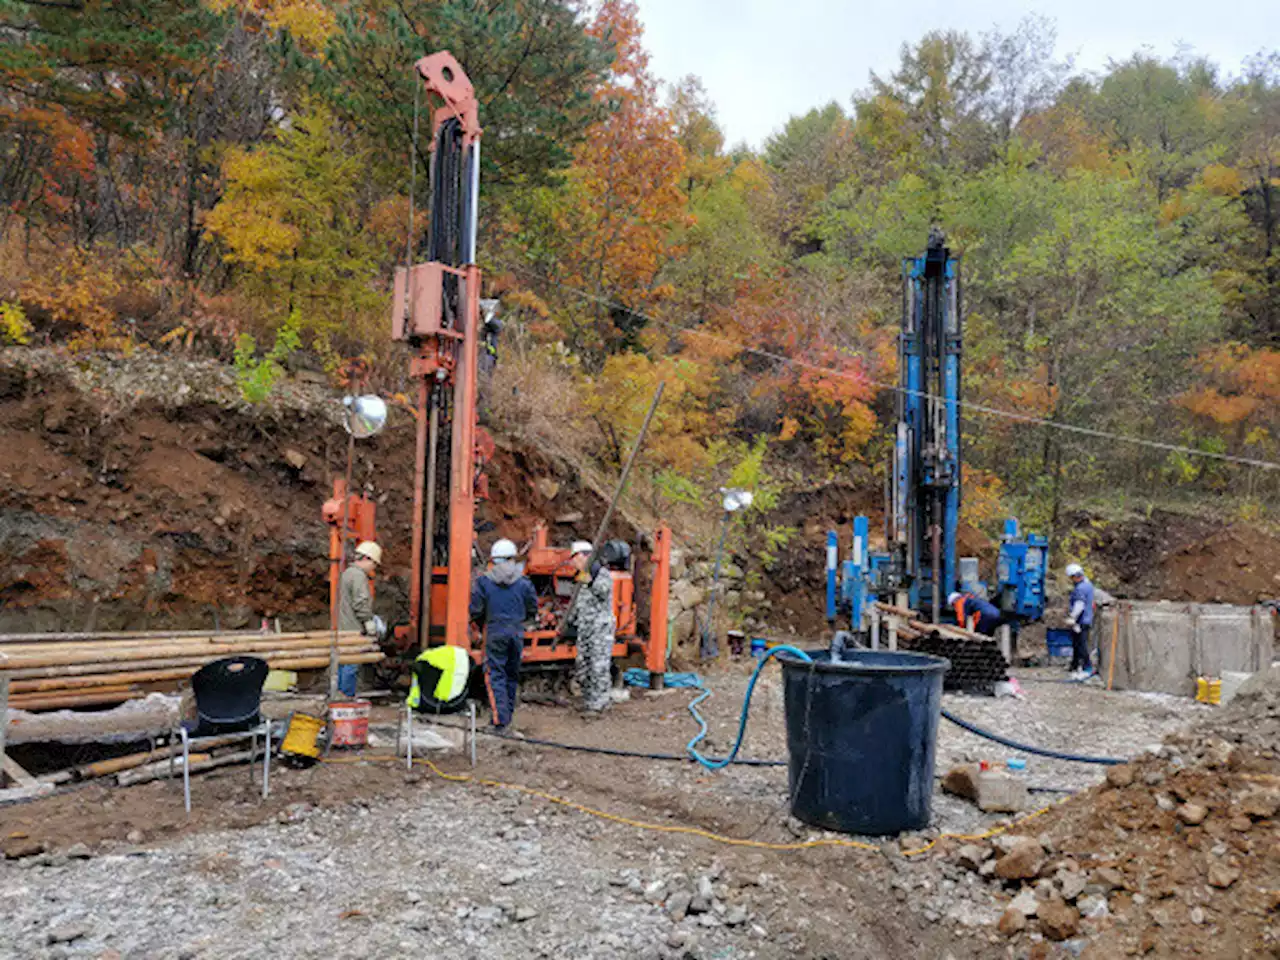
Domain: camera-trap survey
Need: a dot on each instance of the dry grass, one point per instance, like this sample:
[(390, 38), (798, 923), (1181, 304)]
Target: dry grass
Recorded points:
[(534, 398)]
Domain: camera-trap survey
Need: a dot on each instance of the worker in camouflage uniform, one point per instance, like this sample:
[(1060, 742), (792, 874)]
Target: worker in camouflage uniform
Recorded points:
[(592, 614)]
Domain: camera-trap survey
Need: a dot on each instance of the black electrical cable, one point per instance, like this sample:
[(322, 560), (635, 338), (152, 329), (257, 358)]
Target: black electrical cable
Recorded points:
[(641, 755), (1027, 748), (609, 751)]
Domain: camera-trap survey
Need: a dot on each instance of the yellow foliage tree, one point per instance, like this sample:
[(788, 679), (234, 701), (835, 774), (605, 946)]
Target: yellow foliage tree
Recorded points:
[(290, 218)]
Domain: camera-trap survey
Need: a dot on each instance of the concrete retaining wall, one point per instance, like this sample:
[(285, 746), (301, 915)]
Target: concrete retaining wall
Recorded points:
[(1164, 646)]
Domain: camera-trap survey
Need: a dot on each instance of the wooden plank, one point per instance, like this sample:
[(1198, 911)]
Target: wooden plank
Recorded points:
[(56, 701), (16, 773), (86, 669), (194, 647), (123, 635), (199, 762), (110, 676), (100, 655)]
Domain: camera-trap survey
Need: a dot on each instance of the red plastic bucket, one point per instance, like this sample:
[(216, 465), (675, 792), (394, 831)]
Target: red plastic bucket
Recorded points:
[(350, 719)]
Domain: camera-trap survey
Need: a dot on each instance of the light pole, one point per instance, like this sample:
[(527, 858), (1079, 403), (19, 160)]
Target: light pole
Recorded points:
[(732, 499), (365, 417)]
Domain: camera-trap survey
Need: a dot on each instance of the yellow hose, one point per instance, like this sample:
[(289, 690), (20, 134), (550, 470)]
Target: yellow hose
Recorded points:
[(690, 831)]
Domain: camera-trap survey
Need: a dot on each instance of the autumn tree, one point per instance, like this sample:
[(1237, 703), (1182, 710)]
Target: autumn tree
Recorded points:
[(290, 222), (605, 232), (534, 64)]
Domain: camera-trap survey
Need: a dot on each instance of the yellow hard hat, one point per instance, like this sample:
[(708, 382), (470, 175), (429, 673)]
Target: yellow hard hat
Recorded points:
[(371, 550)]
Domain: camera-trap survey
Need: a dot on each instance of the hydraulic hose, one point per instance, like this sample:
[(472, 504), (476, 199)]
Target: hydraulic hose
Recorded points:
[(713, 763), (1026, 747), (638, 754)]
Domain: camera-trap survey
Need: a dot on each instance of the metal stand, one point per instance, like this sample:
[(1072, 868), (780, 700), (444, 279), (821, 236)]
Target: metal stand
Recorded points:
[(264, 728), (408, 734), (1006, 643), (472, 705)]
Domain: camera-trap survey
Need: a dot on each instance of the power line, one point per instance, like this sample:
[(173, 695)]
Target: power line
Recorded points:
[(906, 391)]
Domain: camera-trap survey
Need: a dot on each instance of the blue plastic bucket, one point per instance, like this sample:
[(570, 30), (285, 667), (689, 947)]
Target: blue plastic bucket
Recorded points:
[(758, 646), (1059, 642)]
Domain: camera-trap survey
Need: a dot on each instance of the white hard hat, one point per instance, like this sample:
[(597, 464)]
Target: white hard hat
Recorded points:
[(953, 598), (581, 546), (371, 550), (503, 550), (1075, 570)]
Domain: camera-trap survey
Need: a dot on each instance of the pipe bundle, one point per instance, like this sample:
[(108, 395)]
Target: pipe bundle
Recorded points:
[(49, 671)]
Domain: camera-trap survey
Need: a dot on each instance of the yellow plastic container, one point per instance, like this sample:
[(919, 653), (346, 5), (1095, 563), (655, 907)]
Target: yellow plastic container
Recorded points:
[(1208, 690), (302, 739), (281, 681)]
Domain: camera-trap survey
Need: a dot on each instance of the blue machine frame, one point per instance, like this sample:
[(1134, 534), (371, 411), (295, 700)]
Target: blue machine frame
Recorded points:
[(922, 512), (926, 471)]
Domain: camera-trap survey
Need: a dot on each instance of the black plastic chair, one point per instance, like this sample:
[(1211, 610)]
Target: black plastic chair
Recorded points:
[(228, 694)]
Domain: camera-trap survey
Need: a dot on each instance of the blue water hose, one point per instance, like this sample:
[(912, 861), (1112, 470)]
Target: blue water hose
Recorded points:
[(719, 763), (1026, 747)]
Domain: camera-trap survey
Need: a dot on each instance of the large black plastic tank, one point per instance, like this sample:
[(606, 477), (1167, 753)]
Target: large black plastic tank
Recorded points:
[(861, 733)]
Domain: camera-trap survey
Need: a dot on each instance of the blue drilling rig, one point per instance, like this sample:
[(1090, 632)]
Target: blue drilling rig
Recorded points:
[(919, 567)]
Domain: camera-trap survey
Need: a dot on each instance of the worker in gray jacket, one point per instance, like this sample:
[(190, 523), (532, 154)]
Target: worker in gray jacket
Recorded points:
[(1080, 620), (593, 616), (355, 605)]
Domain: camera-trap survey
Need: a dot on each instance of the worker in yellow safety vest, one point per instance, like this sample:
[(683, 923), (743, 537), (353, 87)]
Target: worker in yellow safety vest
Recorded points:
[(440, 679)]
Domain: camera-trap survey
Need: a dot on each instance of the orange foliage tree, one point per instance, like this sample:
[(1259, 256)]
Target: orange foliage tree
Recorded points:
[(1242, 393), (819, 395), (605, 231)]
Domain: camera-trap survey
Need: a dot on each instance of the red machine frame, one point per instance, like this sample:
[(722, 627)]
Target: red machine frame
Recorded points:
[(445, 366)]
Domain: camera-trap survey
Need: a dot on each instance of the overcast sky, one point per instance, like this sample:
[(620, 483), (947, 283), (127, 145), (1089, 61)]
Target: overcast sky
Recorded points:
[(764, 60)]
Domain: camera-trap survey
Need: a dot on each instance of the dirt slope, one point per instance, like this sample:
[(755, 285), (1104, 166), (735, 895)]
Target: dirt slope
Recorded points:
[(144, 492)]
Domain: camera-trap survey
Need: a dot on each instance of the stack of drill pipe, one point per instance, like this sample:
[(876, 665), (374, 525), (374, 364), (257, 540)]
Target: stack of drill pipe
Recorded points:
[(977, 664), (47, 672)]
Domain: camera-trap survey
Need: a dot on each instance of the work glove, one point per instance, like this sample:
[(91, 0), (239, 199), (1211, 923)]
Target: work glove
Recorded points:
[(370, 629)]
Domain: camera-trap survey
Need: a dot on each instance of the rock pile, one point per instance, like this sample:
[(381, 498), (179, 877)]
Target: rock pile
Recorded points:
[(1178, 851)]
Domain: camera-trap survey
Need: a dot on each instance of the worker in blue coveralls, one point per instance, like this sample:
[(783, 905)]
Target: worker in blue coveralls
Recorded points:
[(974, 613), (502, 602), (1080, 620)]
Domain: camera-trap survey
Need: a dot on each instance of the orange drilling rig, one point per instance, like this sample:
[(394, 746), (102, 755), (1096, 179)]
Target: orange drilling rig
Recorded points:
[(436, 314)]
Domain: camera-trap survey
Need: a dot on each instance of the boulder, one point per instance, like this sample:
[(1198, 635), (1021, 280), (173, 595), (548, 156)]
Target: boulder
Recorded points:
[(972, 855), (686, 595), (1109, 878), (1012, 922), (1071, 883), (1022, 862), (1025, 902), (962, 780), (1192, 814), (1260, 804), (1120, 776), (1058, 920), (1222, 875)]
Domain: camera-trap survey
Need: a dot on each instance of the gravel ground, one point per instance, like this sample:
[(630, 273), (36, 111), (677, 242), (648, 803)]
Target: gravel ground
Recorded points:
[(468, 875), (453, 871), (381, 864)]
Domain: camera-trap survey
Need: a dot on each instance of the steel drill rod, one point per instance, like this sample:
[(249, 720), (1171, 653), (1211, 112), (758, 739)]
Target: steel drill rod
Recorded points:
[(428, 555), (617, 495)]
